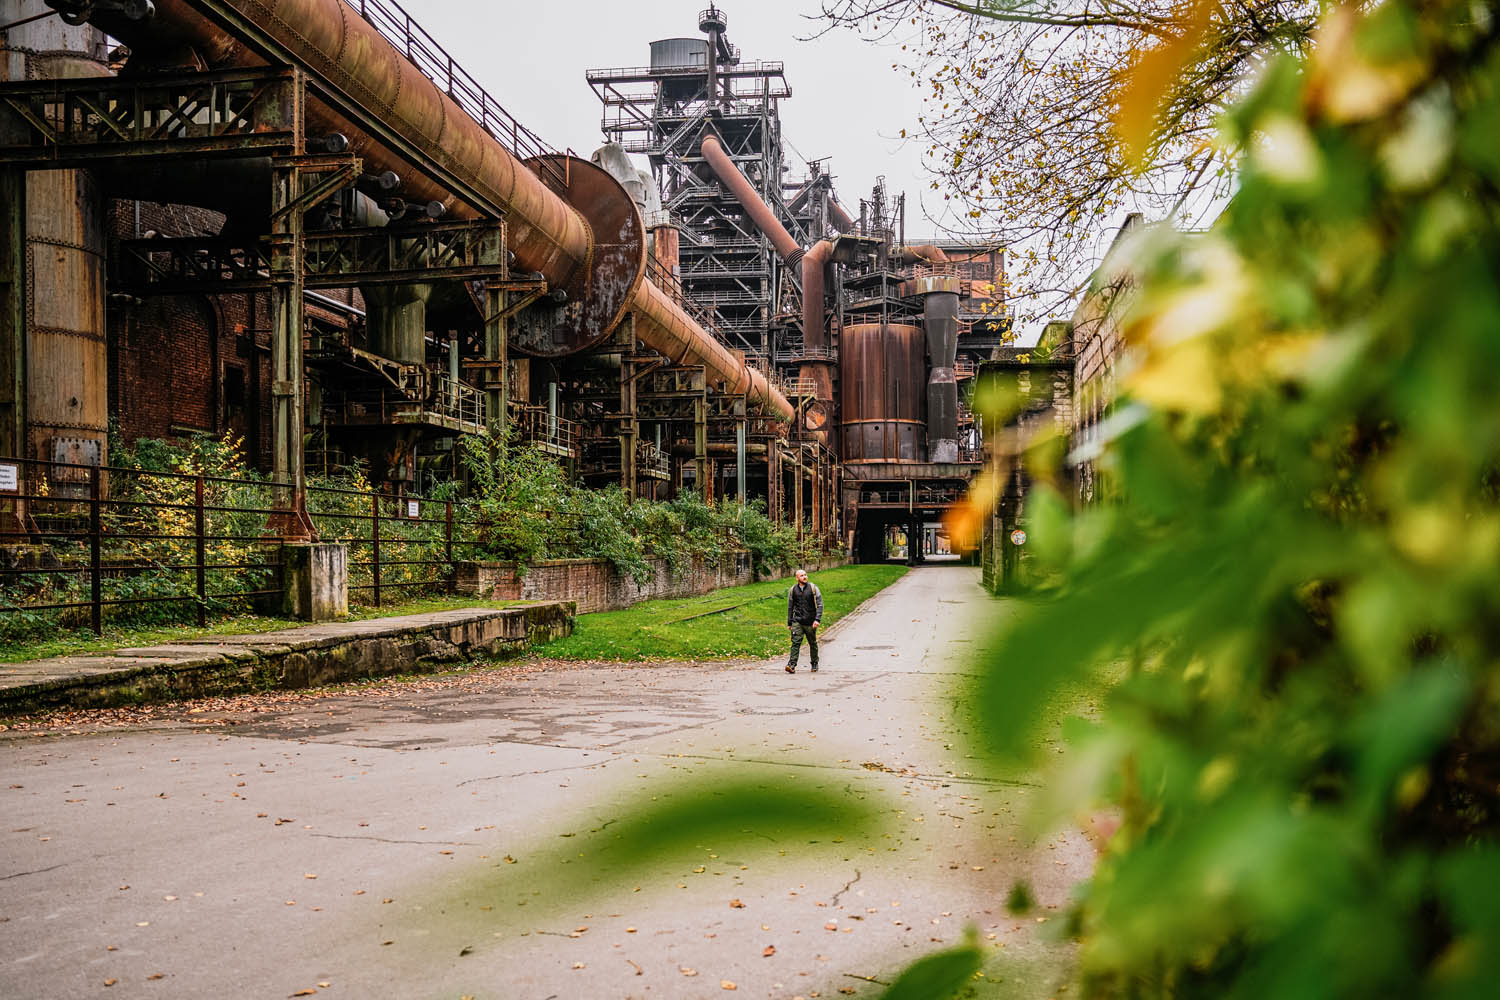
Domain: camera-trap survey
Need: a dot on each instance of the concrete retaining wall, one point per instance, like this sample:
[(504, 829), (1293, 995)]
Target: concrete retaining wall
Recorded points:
[(292, 658), (595, 585)]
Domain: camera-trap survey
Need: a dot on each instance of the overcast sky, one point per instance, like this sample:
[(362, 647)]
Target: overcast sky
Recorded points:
[(847, 102)]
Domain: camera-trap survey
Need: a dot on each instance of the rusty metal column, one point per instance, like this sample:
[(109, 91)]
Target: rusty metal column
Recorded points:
[(287, 314), (773, 480), (739, 459), (630, 427), (497, 363), (700, 446), (797, 492), (12, 314)]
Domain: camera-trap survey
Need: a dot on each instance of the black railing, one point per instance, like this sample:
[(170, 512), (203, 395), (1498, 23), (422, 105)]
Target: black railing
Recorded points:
[(80, 540), (413, 41)]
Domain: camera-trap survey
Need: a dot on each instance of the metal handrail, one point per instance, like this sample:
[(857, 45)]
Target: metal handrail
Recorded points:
[(757, 67), (393, 22)]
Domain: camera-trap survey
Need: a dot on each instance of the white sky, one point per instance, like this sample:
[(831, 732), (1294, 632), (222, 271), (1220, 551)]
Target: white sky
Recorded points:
[(847, 102)]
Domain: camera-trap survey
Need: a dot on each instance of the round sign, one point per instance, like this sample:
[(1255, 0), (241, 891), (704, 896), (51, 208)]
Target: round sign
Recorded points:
[(1018, 537)]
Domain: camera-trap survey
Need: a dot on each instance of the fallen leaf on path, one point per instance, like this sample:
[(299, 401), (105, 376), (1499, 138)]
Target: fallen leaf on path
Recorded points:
[(304, 993), (736, 904), (725, 984), (832, 925), (638, 970), (770, 950), (157, 975), (579, 965), (308, 875), (110, 982), (686, 971)]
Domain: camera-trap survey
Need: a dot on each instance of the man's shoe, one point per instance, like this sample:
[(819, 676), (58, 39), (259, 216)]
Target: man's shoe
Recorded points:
[(814, 668), (791, 669)]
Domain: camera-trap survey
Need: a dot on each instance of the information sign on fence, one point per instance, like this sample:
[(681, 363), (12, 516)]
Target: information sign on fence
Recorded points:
[(10, 478)]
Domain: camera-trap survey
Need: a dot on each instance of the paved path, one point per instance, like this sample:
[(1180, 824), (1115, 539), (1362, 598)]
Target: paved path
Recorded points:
[(356, 840)]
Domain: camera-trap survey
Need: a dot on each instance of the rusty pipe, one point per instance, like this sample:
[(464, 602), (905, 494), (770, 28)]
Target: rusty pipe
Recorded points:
[(662, 325), (750, 200), (926, 254), (841, 219), (545, 232), (813, 265)]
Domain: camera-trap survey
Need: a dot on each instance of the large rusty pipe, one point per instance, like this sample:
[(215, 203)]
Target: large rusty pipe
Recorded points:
[(545, 232), (813, 290), (663, 326), (841, 219), (750, 200)]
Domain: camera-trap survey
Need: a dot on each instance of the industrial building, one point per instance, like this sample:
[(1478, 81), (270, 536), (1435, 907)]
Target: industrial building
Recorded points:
[(305, 223)]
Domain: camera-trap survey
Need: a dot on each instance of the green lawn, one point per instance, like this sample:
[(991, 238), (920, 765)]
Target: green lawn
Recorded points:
[(81, 641), (748, 621)]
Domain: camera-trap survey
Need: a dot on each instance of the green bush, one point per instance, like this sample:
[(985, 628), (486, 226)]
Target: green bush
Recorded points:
[(1300, 569)]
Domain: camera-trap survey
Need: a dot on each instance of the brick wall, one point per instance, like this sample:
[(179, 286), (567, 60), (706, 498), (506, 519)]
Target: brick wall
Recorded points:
[(595, 585), (184, 364)]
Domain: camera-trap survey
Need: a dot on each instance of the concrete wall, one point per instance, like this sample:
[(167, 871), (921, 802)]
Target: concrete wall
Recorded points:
[(294, 658), (595, 585)]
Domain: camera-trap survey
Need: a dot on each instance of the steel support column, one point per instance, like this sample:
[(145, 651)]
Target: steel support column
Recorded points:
[(630, 426), (739, 458), (287, 313), (497, 362), (700, 447), (12, 312)]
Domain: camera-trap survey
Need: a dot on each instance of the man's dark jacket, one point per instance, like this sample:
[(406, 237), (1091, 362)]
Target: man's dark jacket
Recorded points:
[(804, 603)]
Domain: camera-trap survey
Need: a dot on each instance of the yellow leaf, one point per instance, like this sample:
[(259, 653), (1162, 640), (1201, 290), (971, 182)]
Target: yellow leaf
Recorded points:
[(1149, 81)]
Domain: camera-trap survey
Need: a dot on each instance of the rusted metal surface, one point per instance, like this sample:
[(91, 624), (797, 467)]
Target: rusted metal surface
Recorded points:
[(883, 387), (930, 284), (663, 326), (941, 326), (599, 291), (839, 216), (592, 249), (819, 414), (66, 364), (740, 187), (351, 55), (666, 242), (920, 254)]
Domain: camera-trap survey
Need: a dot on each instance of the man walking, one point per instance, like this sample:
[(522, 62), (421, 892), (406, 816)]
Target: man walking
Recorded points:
[(804, 613)]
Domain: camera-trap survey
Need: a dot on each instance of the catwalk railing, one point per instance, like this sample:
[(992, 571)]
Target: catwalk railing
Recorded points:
[(413, 41)]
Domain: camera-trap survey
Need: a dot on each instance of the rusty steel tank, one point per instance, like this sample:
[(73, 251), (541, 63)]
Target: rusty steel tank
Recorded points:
[(884, 388), (67, 402)]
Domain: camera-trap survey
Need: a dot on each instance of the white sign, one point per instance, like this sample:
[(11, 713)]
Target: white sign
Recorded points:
[(1018, 537), (10, 478), (413, 509)]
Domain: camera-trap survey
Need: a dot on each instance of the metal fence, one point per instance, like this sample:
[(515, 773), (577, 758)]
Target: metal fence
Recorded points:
[(396, 544), (85, 542)]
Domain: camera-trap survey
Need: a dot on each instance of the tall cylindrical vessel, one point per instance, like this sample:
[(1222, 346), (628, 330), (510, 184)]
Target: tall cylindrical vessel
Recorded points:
[(67, 399), (883, 386)]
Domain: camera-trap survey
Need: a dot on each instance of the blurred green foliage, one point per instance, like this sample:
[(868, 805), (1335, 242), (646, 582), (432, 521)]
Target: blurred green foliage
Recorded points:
[(1300, 565)]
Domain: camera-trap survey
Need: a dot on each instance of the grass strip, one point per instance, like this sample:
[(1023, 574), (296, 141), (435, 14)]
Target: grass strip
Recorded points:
[(706, 628)]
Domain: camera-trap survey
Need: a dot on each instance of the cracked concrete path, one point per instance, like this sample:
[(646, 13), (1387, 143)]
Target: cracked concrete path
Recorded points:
[(408, 841)]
